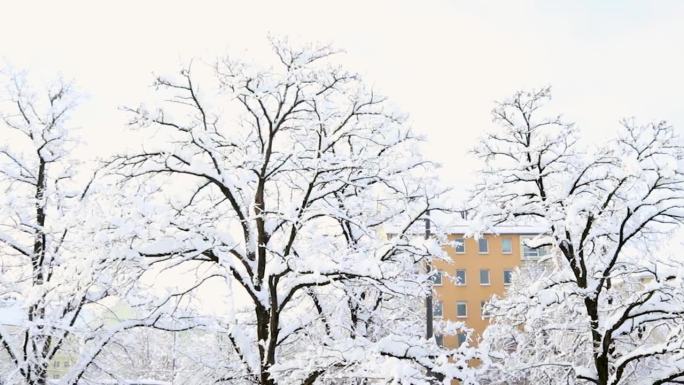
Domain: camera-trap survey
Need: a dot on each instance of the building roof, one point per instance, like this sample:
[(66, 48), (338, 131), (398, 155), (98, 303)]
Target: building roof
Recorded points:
[(463, 229)]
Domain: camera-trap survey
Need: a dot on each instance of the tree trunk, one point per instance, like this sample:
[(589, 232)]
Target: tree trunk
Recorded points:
[(600, 357)]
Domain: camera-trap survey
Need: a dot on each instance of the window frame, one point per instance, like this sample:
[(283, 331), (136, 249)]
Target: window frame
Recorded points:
[(437, 304), (465, 306), (463, 243), (479, 251), (539, 251), (437, 273), (510, 242), (482, 312), (510, 272), (489, 277), (465, 278)]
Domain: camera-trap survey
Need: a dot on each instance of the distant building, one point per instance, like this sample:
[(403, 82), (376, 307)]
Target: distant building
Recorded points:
[(477, 270)]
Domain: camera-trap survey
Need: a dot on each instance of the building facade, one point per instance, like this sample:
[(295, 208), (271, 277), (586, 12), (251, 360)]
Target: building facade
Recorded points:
[(476, 270)]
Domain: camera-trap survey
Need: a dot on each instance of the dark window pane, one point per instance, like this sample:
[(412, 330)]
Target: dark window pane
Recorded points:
[(483, 245), (459, 245)]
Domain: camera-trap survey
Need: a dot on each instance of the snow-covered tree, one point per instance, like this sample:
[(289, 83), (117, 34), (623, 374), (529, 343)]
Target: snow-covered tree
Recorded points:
[(63, 264), (192, 357), (606, 307), (300, 187)]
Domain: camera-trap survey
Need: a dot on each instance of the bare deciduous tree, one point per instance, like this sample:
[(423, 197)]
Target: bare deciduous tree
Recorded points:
[(300, 187), (62, 262), (609, 309)]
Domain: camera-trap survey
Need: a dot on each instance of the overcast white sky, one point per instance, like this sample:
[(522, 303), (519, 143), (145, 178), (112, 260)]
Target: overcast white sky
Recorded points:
[(444, 62)]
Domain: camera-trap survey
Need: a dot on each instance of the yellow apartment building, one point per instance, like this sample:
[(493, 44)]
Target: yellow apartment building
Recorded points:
[(476, 270)]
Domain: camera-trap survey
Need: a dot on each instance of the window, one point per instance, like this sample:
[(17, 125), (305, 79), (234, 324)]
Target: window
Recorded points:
[(437, 309), (483, 313), (506, 246), (436, 278), (461, 338), (439, 340), (461, 309), (459, 245), (531, 252), (56, 364), (484, 277), (508, 277), (460, 278), (482, 246)]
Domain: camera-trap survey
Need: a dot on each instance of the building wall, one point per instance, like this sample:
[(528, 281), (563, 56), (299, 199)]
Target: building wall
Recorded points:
[(472, 292)]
